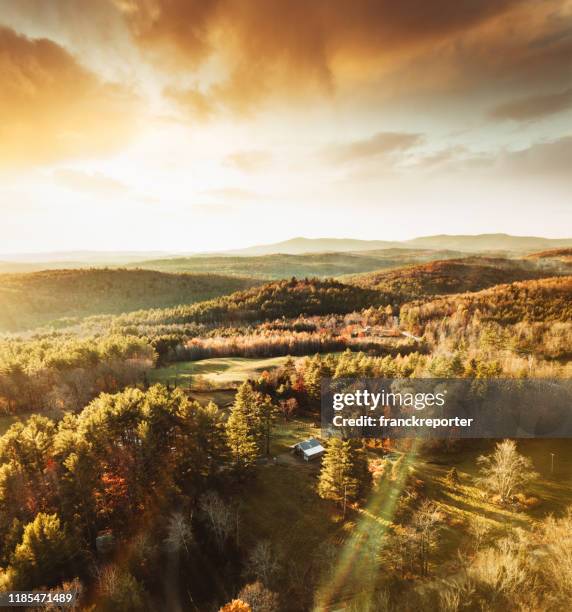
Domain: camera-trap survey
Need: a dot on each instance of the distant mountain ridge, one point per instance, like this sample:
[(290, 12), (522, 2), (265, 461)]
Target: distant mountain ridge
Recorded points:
[(300, 245), (490, 244), (463, 242), (83, 257)]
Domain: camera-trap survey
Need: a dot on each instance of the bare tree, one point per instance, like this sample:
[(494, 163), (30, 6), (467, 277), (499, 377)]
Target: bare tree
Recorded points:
[(179, 534), (426, 523), (401, 550), (219, 516), (505, 471), (263, 562)]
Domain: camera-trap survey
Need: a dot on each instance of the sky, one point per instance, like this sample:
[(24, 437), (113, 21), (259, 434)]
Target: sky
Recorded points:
[(197, 125)]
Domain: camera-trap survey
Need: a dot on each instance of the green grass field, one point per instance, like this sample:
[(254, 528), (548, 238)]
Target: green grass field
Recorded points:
[(282, 505), (221, 371)]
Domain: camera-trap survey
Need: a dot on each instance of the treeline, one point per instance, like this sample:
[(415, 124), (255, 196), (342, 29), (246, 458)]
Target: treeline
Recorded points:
[(296, 386), (289, 343), (59, 373), (286, 298), (63, 297)]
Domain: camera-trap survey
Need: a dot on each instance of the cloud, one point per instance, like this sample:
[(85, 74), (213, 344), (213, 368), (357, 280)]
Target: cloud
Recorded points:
[(249, 161), (549, 159), (378, 145), (533, 108), (52, 108), (240, 55), (546, 159), (293, 47), (442, 157), (95, 183), (193, 102)]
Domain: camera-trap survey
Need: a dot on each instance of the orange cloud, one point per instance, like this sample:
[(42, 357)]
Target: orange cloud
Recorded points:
[(289, 48), (52, 108), (194, 103), (534, 107)]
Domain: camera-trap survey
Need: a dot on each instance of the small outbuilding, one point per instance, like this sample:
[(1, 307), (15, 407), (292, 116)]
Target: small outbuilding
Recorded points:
[(309, 449)]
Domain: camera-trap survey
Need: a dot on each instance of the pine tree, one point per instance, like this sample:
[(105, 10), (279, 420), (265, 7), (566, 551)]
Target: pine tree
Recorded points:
[(45, 554), (243, 429), (360, 468), (246, 401), (344, 474), (267, 412)]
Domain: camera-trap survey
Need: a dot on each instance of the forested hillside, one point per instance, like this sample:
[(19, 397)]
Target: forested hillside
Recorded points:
[(561, 258), (285, 298), (282, 265), (31, 300), (450, 276), (530, 318), (530, 301)]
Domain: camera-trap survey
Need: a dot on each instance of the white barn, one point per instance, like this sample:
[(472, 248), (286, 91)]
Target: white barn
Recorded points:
[(309, 449)]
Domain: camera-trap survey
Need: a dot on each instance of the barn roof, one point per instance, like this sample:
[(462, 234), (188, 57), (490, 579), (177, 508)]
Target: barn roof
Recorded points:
[(315, 450), (309, 444)]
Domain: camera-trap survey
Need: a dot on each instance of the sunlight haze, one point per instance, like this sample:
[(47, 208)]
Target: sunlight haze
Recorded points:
[(122, 129)]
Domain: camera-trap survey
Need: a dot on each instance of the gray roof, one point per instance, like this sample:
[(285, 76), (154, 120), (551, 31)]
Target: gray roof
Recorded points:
[(308, 444)]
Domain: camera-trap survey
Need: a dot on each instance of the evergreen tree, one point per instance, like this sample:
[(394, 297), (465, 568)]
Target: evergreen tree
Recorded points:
[(45, 555), (202, 443), (335, 476), (360, 468), (314, 370), (243, 429), (344, 476), (267, 412)]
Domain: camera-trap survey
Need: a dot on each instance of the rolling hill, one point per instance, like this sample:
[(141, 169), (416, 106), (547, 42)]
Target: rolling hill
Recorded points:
[(307, 265), (488, 242), (545, 300), (284, 298), (557, 255), (65, 260), (449, 276), (64, 296), (324, 249)]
